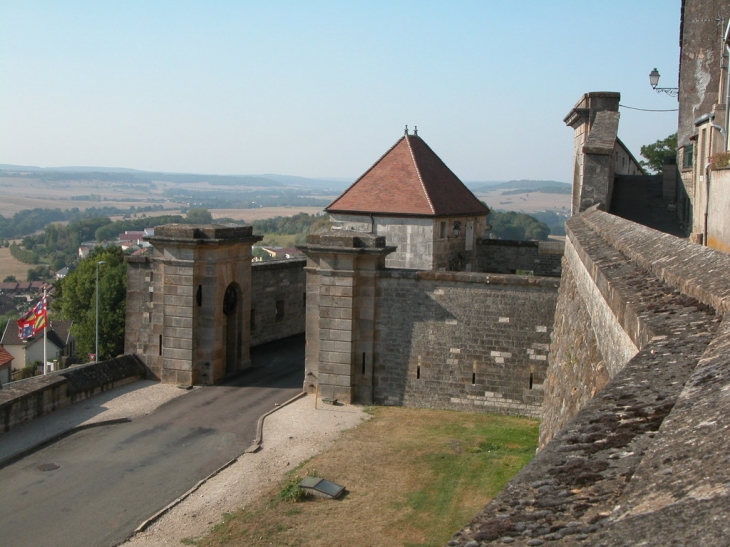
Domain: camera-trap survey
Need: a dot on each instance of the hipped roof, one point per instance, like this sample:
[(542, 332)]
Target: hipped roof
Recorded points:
[(409, 179)]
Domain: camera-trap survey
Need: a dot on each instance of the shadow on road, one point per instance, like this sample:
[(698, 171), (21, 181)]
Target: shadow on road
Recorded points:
[(279, 363)]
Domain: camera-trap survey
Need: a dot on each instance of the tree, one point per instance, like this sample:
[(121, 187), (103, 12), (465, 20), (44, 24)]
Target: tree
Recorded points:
[(198, 216), (10, 279), (75, 299), (517, 226), (655, 153)]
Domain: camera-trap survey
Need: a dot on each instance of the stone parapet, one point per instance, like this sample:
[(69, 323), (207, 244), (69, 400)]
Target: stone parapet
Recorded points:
[(26, 400), (637, 456), (540, 258), (694, 270)]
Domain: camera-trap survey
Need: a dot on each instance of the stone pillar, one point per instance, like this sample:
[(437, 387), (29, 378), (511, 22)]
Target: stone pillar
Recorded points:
[(594, 120), (197, 327), (342, 270)]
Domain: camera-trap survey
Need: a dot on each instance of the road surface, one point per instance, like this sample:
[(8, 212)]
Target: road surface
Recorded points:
[(96, 486)]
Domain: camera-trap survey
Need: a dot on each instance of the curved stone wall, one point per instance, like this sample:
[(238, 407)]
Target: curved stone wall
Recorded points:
[(644, 460)]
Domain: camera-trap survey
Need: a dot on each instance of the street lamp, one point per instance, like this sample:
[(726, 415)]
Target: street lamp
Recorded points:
[(96, 357), (654, 81)]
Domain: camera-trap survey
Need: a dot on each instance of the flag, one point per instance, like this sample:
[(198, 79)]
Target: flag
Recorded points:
[(25, 329), (41, 316), (34, 321)]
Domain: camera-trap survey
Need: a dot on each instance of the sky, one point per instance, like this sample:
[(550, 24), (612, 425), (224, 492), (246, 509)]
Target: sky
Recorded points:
[(323, 88)]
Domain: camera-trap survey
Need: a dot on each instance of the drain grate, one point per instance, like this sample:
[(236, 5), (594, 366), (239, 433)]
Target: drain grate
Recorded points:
[(47, 466)]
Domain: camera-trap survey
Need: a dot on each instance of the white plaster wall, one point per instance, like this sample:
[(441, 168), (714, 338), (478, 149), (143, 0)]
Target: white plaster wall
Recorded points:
[(719, 214)]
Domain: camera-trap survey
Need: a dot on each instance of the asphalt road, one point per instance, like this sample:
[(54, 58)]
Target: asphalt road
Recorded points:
[(96, 486)]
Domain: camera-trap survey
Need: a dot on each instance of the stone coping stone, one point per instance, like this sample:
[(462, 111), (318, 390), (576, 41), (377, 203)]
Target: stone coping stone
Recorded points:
[(279, 264), (203, 233), (645, 461), (91, 376), (13, 391), (347, 238), (697, 271), (474, 277)]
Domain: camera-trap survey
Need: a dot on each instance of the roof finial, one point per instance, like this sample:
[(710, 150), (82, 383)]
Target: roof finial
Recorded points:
[(406, 130), (415, 130)]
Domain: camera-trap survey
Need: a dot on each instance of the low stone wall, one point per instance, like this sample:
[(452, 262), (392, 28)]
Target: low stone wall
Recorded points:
[(538, 257), (26, 400), (463, 341), (638, 454), (278, 304)]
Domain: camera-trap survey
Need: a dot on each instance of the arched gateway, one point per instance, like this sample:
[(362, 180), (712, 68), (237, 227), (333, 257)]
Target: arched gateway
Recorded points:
[(188, 305)]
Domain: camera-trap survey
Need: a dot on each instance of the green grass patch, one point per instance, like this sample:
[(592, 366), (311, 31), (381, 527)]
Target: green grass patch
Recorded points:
[(413, 478)]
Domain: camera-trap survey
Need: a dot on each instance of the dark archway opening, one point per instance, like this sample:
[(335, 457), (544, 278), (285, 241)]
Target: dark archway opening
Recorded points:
[(233, 328)]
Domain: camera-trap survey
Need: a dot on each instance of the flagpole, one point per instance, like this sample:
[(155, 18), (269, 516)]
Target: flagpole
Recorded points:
[(45, 340)]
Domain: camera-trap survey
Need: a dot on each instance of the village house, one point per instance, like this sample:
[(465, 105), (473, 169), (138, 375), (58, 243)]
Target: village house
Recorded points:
[(60, 345)]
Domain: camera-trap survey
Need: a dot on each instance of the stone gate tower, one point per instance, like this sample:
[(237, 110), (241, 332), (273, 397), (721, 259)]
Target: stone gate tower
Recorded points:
[(189, 304)]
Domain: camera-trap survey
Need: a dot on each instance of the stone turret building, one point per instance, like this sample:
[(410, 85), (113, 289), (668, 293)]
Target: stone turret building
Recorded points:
[(419, 205), (394, 318)]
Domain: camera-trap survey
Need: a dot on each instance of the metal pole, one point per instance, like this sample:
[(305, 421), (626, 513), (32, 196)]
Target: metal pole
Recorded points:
[(96, 356), (45, 334)]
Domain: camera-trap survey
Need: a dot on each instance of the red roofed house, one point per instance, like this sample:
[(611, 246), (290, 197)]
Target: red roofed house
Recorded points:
[(6, 363), (419, 205)]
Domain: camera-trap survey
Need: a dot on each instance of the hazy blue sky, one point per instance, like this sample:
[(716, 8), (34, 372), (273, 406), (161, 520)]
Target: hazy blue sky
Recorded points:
[(323, 88)]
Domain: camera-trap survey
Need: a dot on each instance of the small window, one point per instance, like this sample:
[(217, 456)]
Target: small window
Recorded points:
[(688, 155), (279, 310), (442, 230)]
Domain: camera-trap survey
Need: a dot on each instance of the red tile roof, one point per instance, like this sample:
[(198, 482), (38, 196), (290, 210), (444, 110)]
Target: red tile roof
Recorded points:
[(5, 356), (409, 179)]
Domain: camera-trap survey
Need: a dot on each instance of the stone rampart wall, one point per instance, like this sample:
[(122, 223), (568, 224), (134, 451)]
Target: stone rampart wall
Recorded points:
[(475, 342), (277, 300), (26, 400), (633, 454), (542, 258)]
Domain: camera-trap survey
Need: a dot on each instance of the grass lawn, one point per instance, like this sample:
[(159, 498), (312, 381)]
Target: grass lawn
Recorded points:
[(413, 478)]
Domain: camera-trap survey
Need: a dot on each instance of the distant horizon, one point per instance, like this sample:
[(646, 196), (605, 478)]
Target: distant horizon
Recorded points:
[(101, 169)]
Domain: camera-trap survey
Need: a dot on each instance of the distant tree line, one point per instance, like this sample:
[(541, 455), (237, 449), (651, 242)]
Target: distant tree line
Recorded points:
[(218, 199), (564, 189), (29, 221)]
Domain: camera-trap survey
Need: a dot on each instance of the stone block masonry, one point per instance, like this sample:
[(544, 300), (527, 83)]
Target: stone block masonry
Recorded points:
[(464, 341), (634, 433), (189, 304), (278, 300), (542, 258), (26, 400), (475, 342)]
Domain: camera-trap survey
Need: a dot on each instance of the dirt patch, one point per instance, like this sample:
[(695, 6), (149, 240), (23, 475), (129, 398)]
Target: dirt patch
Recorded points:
[(11, 266)]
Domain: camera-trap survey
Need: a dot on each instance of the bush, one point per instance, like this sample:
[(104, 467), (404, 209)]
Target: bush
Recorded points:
[(292, 492), (721, 160)]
